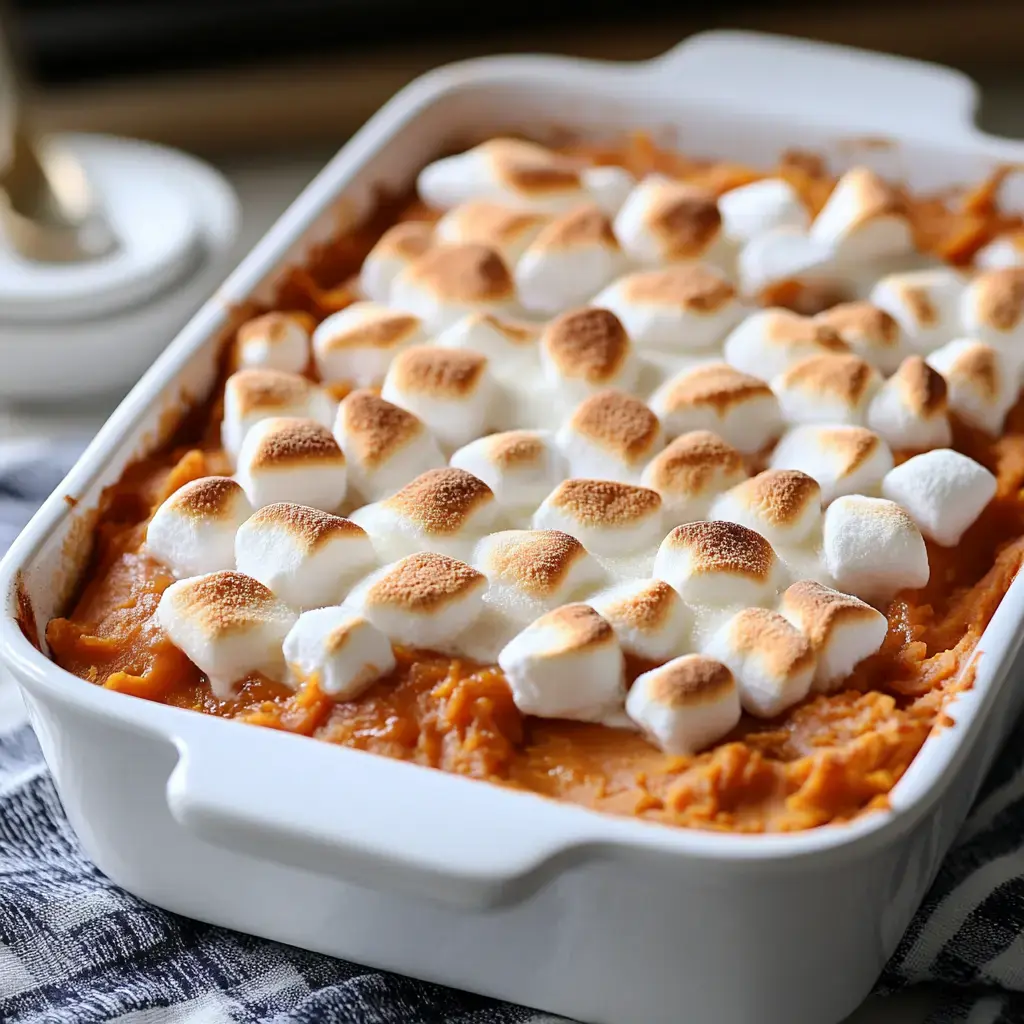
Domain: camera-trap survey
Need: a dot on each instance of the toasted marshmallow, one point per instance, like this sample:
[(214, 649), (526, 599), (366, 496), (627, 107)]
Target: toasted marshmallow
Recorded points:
[(254, 395), (863, 219), (843, 631), (780, 256), (521, 467), (424, 600), (783, 505), (690, 472), (981, 388), (445, 510), (610, 436), (869, 332), (1005, 251), (308, 558), (507, 229), (587, 350), (450, 390), (193, 531), (685, 307), (992, 310), (608, 517), (274, 341), (686, 704), (650, 619), (872, 548), (772, 662), (396, 249), (925, 303), (356, 345), (228, 624), (293, 460), (566, 664), (738, 407), (910, 410), (510, 344), (340, 650), (827, 389), (770, 341), (750, 210), (568, 261), (943, 491), (844, 460), (449, 281), (385, 446), (718, 564)]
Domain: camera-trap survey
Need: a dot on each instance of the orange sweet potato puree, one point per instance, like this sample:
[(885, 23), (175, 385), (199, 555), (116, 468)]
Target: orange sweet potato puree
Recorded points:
[(828, 759)]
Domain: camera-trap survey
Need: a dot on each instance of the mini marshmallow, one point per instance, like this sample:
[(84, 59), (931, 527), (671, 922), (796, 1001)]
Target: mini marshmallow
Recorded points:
[(872, 547), (943, 491), (780, 256), (229, 625), (305, 556), (449, 281), (293, 460), (193, 531), (981, 388), (342, 651), (772, 661), (864, 219), (274, 341), (738, 407), (782, 505), (521, 467), (566, 664), (992, 310), (450, 390), (254, 395), (844, 460), (717, 563), (445, 510), (356, 345), (1005, 251), (770, 341), (843, 631), (690, 472), (568, 261), (507, 229), (750, 210), (832, 388), (506, 343), (425, 600), (396, 249), (910, 410), (685, 705), (610, 436), (648, 616), (678, 308), (869, 332), (385, 446), (925, 303)]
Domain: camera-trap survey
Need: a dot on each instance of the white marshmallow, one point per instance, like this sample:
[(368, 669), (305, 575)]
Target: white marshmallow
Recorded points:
[(292, 460), (1004, 251), (872, 548), (738, 407), (751, 210), (396, 249), (992, 310), (385, 446), (308, 558), (843, 631), (781, 256), (566, 664), (981, 388), (832, 388), (943, 491), (507, 229), (650, 619), (507, 344), (685, 705), (274, 341), (844, 460), (782, 505), (925, 303), (343, 652), (869, 332), (450, 390), (910, 410), (356, 346), (772, 661), (608, 186), (770, 341), (228, 624), (683, 307), (193, 531), (254, 395)]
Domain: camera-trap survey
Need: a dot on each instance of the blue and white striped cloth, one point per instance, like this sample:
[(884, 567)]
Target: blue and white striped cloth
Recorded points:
[(75, 949)]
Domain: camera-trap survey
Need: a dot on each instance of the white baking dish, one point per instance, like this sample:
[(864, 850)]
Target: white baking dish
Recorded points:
[(502, 892)]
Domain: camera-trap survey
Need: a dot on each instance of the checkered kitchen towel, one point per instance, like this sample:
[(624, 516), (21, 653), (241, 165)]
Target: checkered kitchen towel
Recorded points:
[(74, 949)]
